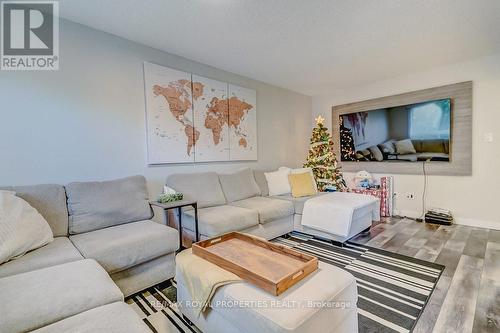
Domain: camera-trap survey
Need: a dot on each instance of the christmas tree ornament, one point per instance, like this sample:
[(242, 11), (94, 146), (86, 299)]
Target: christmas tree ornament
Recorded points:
[(320, 120), (323, 161)]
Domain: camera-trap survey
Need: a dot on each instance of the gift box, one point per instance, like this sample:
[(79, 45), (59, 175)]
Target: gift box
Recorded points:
[(384, 193)]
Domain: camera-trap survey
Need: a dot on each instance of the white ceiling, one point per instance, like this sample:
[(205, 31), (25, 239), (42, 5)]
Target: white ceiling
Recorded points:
[(310, 46)]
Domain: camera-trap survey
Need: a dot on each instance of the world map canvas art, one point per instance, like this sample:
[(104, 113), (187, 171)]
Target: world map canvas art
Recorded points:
[(191, 118)]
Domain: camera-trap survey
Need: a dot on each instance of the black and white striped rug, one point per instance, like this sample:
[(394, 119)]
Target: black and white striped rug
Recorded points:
[(393, 289), (158, 309)]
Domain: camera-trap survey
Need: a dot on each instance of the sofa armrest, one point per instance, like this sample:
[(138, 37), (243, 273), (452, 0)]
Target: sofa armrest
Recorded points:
[(158, 215)]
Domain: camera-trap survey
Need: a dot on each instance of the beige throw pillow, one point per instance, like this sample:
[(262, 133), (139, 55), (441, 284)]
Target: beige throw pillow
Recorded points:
[(310, 171), (22, 228), (405, 147), (302, 184)]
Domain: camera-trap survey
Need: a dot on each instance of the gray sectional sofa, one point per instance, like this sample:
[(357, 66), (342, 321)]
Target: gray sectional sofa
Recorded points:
[(105, 247), (238, 201)]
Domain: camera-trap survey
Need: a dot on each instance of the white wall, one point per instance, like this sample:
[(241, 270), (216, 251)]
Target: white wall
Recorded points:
[(473, 199), (87, 120)]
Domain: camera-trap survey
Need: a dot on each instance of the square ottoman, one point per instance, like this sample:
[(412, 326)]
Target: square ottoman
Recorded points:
[(325, 301)]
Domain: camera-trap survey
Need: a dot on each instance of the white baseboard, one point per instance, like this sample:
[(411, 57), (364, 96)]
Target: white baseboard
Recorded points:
[(458, 220), (478, 223), (410, 213)]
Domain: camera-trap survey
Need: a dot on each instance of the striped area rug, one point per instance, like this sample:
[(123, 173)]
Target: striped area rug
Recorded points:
[(393, 289), (158, 309)]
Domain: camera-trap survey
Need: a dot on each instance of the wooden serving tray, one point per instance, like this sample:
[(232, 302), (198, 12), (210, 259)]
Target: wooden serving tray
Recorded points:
[(272, 267)]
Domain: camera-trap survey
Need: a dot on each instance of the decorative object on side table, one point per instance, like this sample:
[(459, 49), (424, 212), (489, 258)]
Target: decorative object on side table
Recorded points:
[(322, 160), (177, 204), (164, 198)]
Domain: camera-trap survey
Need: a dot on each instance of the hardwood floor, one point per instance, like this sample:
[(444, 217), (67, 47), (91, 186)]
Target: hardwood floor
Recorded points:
[(467, 296)]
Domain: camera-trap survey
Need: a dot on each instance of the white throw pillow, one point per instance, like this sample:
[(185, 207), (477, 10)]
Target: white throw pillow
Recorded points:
[(22, 228), (277, 181), (303, 170)]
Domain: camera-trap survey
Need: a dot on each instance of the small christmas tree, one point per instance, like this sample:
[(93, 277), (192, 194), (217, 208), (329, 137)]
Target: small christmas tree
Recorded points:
[(347, 150), (323, 160)]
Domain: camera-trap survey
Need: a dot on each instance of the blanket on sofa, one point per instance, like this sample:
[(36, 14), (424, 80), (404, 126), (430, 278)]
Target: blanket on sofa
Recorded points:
[(333, 212), (201, 278)]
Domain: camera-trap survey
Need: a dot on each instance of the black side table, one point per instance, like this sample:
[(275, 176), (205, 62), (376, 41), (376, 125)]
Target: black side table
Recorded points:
[(179, 205)]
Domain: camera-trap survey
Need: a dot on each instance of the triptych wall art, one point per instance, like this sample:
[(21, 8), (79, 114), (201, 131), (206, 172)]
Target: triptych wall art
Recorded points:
[(191, 118)]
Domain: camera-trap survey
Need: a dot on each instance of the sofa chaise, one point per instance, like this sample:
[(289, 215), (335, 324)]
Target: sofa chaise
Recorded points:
[(105, 247)]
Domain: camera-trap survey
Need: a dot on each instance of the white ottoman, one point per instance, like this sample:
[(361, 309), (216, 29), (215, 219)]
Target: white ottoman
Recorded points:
[(323, 302)]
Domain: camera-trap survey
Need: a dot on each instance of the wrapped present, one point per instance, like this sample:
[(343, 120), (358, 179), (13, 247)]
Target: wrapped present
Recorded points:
[(386, 185), (384, 193)]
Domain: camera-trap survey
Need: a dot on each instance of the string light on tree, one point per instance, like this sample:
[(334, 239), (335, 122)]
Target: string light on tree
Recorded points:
[(347, 150), (323, 161)]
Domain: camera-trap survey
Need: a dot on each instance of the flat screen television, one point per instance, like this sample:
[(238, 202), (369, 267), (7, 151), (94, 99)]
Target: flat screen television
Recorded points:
[(407, 133)]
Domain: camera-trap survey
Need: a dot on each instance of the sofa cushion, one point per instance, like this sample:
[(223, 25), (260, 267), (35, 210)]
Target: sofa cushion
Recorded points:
[(408, 157), (123, 246), (204, 187), (54, 293), (97, 205), (145, 275), (269, 209), (214, 221), (116, 317), (49, 201), (298, 203), (260, 179), (59, 251), (429, 156), (239, 185)]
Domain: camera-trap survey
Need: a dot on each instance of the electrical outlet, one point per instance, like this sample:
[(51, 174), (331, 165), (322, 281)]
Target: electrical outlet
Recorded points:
[(488, 137), (410, 196)]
